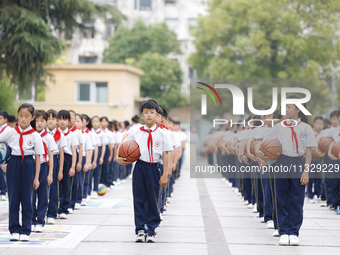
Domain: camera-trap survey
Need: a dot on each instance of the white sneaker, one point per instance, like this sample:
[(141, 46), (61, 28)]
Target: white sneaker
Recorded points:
[(118, 181), (161, 216), (112, 187), (276, 233), (140, 237), (24, 238), (76, 206), (38, 228), (94, 195), (32, 228), (150, 239), (70, 210), (236, 190), (255, 208), (294, 240), (3, 198), (270, 224), (258, 215), (246, 202), (50, 221), (250, 206), (63, 216), (115, 183), (284, 240), (262, 219), (15, 237), (88, 199), (83, 202)]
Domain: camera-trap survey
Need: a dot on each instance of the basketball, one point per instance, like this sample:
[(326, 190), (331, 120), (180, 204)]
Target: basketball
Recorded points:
[(272, 148), (324, 144), (101, 189), (336, 149), (253, 145), (5, 153), (129, 150)]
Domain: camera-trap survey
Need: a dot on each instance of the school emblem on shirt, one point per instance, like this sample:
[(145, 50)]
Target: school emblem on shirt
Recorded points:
[(301, 135), (29, 143), (157, 144)]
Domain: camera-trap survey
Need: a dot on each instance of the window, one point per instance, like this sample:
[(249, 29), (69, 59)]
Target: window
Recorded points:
[(110, 28), (87, 59), (172, 24), (89, 30), (93, 92), (143, 5)]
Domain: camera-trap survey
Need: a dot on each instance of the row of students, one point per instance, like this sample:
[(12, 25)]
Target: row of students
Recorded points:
[(58, 154), (278, 198)]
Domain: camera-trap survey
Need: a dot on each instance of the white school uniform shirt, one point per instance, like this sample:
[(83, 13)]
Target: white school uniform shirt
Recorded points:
[(333, 133), (134, 127), (87, 145), (102, 136), (4, 129), (304, 134), (71, 140), (174, 141), (242, 135), (161, 142), (32, 143), (259, 132), (61, 143), (92, 137), (119, 136), (79, 136), (50, 144)]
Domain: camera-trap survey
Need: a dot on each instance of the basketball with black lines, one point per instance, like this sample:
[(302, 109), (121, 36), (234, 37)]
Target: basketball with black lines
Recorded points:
[(324, 144), (129, 150), (271, 148)]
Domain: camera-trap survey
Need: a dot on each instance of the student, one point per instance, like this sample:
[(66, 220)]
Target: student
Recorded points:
[(146, 180), (12, 121), (58, 164), (22, 172), (103, 141), (4, 129), (113, 143), (70, 154), (46, 172), (104, 123), (297, 139)]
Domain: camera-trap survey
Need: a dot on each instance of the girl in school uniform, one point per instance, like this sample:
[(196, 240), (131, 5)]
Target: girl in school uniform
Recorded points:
[(297, 139), (22, 172), (46, 173)]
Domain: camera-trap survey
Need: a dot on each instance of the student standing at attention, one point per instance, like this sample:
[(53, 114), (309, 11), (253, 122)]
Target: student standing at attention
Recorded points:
[(22, 172), (146, 180)]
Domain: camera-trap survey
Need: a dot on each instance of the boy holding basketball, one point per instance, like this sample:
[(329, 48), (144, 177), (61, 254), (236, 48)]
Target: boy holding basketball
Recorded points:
[(154, 144)]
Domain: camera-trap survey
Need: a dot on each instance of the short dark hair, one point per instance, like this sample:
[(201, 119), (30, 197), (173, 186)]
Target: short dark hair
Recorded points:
[(4, 114), (41, 113), (104, 118), (318, 118), (135, 119), (164, 113), (149, 104), (333, 113), (87, 118), (72, 111), (52, 112), (11, 119), (27, 106), (126, 123), (64, 115)]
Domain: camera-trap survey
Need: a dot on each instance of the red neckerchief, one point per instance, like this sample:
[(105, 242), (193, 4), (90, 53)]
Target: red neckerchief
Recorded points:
[(150, 143), (2, 130), (21, 139), (87, 130), (66, 134), (162, 126), (57, 135), (294, 137), (45, 147), (73, 128), (98, 132)]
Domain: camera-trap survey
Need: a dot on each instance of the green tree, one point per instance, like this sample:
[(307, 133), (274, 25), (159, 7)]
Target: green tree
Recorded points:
[(7, 96), (162, 80), (269, 39), (26, 40), (147, 47)]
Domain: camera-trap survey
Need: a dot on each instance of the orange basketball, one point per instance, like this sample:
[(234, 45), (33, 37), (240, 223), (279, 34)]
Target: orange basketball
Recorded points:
[(253, 145), (336, 149), (129, 150), (272, 148), (324, 144)]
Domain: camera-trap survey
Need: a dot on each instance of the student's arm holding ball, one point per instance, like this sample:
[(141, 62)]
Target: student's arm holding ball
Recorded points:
[(330, 155), (37, 172), (120, 160), (74, 159)]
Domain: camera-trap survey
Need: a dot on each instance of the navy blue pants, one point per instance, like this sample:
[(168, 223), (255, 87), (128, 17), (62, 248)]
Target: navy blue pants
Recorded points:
[(314, 184), (145, 189), (3, 185), (269, 197), (105, 168), (290, 197), (77, 185), (40, 208), (20, 185), (162, 194), (54, 190), (328, 181), (97, 170), (336, 188), (64, 186), (86, 184)]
